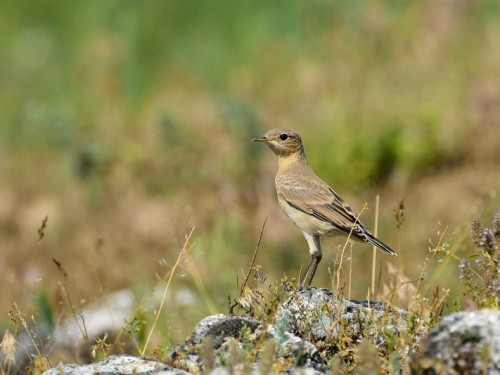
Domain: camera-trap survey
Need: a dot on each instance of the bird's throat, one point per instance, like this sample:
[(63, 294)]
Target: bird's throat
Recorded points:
[(285, 161)]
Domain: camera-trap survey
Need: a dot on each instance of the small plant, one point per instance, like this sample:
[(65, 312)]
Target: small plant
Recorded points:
[(282, 326), (368, 359), (100, 349), (8, 350), (135, 328), (480, 272), (207, 356), (267, 357), (160, 352), (262, 301), (246, 338)]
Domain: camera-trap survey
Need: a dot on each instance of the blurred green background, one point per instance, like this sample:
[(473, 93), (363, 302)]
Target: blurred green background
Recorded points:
[(128, 123)]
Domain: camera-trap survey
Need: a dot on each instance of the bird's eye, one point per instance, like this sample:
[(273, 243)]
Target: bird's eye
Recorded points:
[(284, 136)]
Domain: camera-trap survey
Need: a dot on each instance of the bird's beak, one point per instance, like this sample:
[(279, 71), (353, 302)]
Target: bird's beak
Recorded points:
[(263, 139)]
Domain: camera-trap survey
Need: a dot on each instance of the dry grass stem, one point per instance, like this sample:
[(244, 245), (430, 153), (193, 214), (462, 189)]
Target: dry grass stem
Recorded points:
[(170, 275), (374, 254), (252, 263)]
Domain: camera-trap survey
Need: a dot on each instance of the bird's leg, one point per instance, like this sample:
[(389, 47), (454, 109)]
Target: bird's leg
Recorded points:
[(306, 270), (317, 259), (314, 258)]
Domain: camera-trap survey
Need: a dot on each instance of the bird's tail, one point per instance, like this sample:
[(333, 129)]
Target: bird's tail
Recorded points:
[(371, 239)]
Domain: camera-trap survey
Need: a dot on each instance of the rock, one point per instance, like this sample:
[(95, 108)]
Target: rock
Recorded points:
[(219, 327), (119, 365), (332, 320), (308, 330), (298, 371), (106, 315), (464, 342), (215, 331), (295, 348)]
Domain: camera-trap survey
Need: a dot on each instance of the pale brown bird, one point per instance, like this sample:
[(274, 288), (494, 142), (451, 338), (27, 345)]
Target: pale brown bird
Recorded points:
[(314, 207)]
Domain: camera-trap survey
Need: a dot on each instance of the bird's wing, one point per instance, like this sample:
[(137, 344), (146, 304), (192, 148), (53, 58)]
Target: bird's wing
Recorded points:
[(316, 198)]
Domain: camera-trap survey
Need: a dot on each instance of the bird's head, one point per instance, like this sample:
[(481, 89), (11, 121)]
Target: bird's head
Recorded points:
[(283, 142)]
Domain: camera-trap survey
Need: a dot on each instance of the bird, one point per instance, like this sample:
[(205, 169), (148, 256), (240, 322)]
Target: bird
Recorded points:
[(309, 202)]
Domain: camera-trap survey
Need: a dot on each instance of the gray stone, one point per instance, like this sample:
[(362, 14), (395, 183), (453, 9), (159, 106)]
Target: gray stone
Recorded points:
[(291, 346), (221, 326), (308, 330), (464, 342), (118, 365), (327, 317), (107, 314)]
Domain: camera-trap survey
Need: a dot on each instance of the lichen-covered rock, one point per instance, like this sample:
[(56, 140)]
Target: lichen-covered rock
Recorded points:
[(210, 336), (297, 371), (297, 349), (308, 330), (221, 326), (464, 342), (119, 365), (236, 341), (332, 321)]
